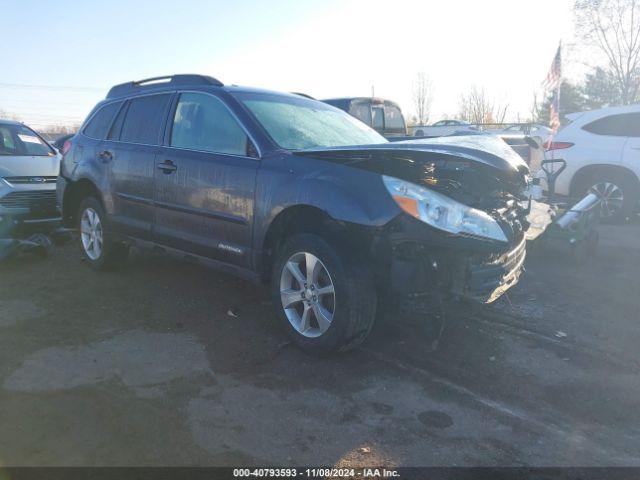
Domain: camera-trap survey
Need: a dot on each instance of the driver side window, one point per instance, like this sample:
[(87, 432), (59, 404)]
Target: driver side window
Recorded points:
[(203, 122)]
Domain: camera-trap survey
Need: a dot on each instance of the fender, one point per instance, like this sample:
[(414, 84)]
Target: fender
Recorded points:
[(345, 194)]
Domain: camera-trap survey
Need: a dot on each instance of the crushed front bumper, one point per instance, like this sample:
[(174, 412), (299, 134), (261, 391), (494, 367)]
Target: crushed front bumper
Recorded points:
[(426, 262), (484, 278)]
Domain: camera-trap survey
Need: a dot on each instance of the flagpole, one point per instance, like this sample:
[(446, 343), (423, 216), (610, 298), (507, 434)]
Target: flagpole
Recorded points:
[(560, 79)]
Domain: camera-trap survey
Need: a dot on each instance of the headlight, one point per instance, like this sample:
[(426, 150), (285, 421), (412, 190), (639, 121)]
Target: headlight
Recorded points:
[(442, 212)]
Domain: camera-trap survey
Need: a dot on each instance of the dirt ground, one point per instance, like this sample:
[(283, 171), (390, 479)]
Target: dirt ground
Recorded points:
[(145, 366)]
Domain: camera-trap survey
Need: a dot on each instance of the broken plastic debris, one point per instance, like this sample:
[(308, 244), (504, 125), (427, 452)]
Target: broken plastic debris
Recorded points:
[(365, 449), (560, 334)]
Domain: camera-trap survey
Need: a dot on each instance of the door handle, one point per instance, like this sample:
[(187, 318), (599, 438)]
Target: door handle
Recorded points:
[(167, 167), (105, 155)]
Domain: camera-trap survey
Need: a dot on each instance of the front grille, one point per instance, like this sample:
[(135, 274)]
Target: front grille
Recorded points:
[(34, 200), (30, 180)]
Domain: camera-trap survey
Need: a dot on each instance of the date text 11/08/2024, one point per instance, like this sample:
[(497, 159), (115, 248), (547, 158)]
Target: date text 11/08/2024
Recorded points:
[(316, 472)]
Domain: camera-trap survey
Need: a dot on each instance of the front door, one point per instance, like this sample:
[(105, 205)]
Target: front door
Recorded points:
[(205, 182)]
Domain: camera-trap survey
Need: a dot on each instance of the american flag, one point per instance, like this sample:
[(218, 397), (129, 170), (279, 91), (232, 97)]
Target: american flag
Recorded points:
[(552, 83), (554, 77)]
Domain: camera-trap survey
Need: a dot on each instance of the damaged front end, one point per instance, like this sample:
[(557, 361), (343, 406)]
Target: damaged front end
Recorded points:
[(417, 269), (464, 206)]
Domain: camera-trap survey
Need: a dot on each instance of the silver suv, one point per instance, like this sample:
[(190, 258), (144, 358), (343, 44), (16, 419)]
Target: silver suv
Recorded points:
[(29, 167)]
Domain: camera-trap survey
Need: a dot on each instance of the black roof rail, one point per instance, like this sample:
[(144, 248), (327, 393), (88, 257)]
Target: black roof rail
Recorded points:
[(303, 95), (181, 79)]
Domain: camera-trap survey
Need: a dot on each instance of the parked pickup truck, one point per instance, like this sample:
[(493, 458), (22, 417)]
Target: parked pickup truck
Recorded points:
[(297, 194), (384, 116)]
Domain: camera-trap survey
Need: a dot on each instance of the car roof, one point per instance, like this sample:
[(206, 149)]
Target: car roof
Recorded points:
[(181, 82), (9, 122), (601, 112)]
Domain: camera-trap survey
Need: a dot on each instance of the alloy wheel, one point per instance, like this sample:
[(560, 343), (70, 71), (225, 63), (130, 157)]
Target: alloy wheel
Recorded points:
[(307, 293), (611, 198), (91, 234)]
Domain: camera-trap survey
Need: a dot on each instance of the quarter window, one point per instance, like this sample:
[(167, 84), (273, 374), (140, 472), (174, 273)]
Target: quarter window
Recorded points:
[(100, 122), (203, 122), (621, 125), (116, 128), (144, 119)]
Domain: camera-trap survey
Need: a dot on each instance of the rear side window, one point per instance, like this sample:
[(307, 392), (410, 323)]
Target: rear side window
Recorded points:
[(621, 125), (362, 111), (203, 122), (101, 121), (144, 119), (393, 119)]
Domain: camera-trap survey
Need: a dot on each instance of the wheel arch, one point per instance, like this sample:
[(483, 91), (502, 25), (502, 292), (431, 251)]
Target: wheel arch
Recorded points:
[(600, 169), (305, 219), (73, 195)]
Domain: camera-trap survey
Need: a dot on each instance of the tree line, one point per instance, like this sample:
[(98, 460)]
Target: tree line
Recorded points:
[(607, 34)]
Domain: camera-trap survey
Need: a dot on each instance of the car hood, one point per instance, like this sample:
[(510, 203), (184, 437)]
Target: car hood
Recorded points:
[(472, 169), (29, 166)]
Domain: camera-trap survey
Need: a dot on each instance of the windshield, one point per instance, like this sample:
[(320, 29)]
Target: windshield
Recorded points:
[(18, 140), (297, 124)]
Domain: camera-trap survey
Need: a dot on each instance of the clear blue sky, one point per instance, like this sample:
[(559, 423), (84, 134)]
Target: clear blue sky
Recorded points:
[(324, 48)]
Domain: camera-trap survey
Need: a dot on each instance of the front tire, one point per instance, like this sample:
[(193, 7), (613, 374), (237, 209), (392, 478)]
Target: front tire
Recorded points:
[(97, 246), (325, 300)]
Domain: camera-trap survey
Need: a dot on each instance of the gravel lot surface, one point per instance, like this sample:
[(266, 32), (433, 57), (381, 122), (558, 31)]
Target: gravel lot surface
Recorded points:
[(145, 366)]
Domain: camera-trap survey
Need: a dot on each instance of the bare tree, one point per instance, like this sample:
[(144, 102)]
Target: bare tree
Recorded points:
[(499, 113), (422, 98), (535, 108), (8, 116), (613, 27), (476, 107)]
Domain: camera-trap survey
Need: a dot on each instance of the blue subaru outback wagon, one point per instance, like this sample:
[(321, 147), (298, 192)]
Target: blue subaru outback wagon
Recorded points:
[(295, 193)]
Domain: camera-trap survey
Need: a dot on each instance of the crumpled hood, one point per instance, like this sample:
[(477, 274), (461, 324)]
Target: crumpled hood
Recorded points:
[(485, 149), (472, 169), (31, 166), (488, 150)]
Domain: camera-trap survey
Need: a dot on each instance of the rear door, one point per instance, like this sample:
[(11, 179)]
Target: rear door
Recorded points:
[(607, 141), (130, 151), (205, 181)]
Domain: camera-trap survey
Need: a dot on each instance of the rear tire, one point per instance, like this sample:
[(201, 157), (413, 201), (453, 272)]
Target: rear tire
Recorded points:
[(618, 192), (97, 246), (342, 313)]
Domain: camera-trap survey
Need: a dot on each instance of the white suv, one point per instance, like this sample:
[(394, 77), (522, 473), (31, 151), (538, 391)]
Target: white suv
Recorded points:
[(602, 151)]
